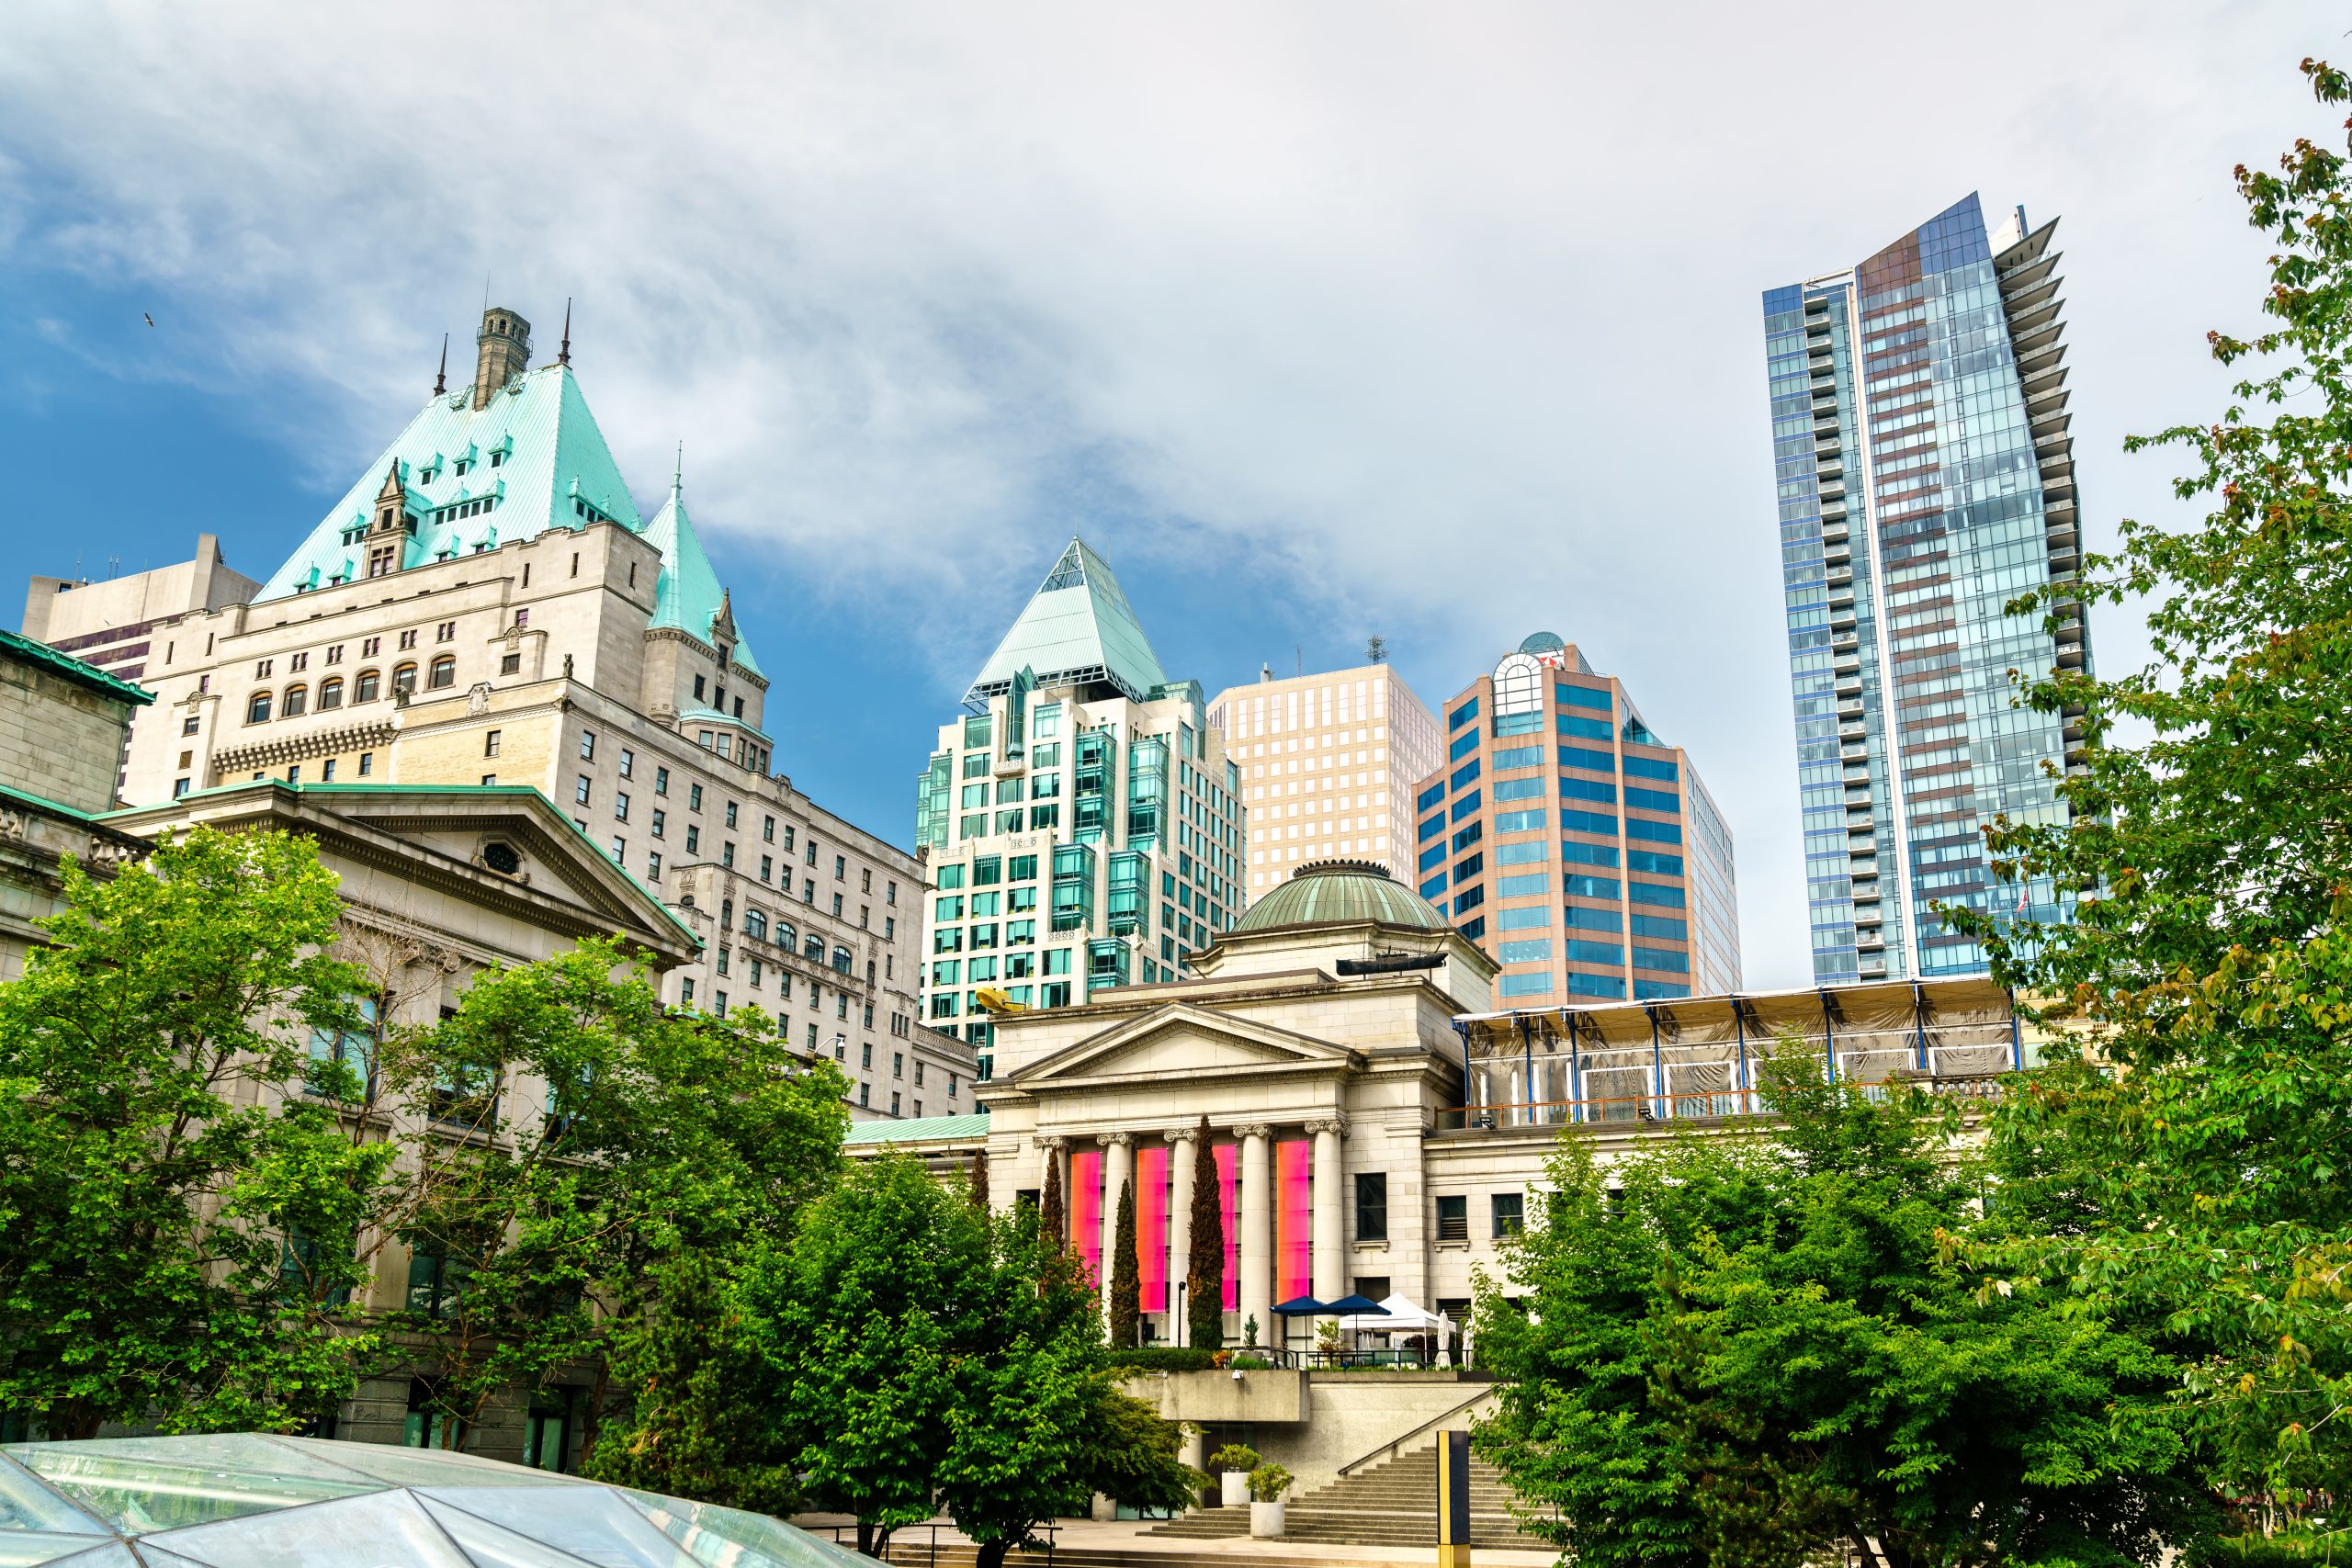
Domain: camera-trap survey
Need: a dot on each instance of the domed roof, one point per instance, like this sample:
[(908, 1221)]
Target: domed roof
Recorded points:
[(1339, 893)]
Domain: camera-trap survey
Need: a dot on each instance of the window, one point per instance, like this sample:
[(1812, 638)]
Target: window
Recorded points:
[(579, 788), (408, 639), (330, 693), (653, 867), (365, 687), (1454, 1218), (446, 632), (694, 797), (694, 840), (441, 674), (367, 764), (188, 727), (298, 701), (1509, 1213), (434, 1282), (730, 814), (370, 647), (661, 821), (403, 679), (510, 664), (620, 805), (662, 781), (258, 710), (1372, 1205), (490, 743), (587, 745), (628, 762), (335, 653)]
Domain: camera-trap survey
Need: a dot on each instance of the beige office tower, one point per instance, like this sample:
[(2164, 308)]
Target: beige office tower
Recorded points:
[(1327, 765)]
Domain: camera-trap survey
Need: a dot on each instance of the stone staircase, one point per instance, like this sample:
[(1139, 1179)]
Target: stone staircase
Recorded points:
[(1391, 1504)]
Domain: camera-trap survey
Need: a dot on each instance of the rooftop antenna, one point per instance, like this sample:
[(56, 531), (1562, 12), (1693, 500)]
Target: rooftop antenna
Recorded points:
[(1376, 650), (1299, 654), (441, 377), (563, 354)]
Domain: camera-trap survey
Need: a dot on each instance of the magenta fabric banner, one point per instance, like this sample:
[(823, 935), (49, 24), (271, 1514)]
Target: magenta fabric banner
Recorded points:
[(1086, 1209), (1229, 1177), (1151, 1228), (1293, 1222)]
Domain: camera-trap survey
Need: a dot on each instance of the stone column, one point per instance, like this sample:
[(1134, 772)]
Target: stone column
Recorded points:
[(1257, 1222), (1330, 1211), (1118, 1172), (1181, 1156)]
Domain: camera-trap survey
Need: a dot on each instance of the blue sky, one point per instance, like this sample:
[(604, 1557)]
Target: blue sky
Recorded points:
[(1316, 319)]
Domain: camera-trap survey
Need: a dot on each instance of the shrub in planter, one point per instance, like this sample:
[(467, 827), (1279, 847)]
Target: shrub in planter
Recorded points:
[(1233, 1462), (1268, 1482), (1250, 1363)]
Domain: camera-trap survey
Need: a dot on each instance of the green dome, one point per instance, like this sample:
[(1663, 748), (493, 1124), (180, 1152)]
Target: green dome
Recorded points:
[(1339, 893)]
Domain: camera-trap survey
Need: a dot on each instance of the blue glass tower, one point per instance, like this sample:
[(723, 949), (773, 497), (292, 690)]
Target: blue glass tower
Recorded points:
[(1925, 477)]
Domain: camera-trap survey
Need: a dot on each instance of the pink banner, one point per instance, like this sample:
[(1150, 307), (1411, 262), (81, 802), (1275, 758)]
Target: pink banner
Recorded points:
[(1086, 1209), (1229, 1177), (1151, 1228), (1293, 1220)]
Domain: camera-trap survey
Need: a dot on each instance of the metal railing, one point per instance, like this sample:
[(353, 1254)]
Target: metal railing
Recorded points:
[(906, 1548), (1686, 1095)]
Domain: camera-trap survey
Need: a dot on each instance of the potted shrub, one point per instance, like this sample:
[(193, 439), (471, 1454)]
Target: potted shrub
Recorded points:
[(1268, 1484), (1234, 1462)]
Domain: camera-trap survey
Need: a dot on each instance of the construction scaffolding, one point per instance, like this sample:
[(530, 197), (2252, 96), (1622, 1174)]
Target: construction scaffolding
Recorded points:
[(1698, 1056)]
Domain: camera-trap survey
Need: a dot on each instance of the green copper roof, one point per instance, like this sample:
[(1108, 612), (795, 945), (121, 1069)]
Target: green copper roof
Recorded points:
[(920, 1128), (688, 596), (1076, 628), (552, 464), (1340, 892), (72, 669)]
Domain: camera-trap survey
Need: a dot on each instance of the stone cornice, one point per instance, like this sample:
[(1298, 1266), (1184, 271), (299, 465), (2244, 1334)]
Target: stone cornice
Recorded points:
[(309, 743)]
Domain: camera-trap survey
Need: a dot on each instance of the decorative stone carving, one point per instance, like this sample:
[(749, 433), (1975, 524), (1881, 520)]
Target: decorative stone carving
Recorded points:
[(477, 699), (1118, 1140), (1051, 1142), (1183, 1134), (1253, 1130), (1329, 1124)]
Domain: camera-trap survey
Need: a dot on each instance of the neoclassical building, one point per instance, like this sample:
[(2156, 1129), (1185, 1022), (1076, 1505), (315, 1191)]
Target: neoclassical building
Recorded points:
[(1376, 1126), (486, 607)]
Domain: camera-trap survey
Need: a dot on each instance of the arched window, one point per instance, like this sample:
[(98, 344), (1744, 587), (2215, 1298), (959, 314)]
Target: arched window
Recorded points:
[(815, 950), (785, 935), (258, 710), (364, 687), (297, 703), (840, 959), (727, 914), (756, 922), (443, 674), (403, 679), (330, 693)]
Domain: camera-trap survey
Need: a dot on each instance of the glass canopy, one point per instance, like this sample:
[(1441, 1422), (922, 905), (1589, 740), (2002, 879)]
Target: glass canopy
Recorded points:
[(248, 1501)]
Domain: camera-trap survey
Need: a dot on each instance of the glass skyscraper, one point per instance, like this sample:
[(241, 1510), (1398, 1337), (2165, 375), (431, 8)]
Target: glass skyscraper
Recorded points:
[(1926, 477)]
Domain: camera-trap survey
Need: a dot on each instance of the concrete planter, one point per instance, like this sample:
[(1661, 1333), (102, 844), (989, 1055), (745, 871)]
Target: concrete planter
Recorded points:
[(1234, 1488), (1266, 1520)]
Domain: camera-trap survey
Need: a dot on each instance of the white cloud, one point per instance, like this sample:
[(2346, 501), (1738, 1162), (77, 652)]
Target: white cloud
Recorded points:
[(1447, 315)]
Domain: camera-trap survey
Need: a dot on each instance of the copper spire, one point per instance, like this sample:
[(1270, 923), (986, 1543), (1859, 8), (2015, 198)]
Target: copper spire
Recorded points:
[(563, 354), (441, 377)]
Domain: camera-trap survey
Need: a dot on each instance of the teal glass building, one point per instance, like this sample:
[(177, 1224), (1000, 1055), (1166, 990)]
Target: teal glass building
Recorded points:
[(1925, 475)]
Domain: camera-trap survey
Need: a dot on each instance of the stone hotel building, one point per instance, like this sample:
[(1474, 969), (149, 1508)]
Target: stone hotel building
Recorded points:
[(486, 607)]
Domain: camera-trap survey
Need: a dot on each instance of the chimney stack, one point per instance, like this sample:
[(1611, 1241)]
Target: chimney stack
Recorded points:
[(503, 352)]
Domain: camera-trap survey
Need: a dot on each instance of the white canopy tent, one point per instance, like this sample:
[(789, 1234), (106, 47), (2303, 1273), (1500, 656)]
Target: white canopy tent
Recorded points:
[(1400, 1317)]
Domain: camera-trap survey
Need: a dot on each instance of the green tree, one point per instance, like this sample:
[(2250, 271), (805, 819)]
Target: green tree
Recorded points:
[(1737, 1351), (541, 1220), (1136, 1455), (177, 1231), (1127, 1276), (1205, 1265), (1056, 1216), (2188, 1157)]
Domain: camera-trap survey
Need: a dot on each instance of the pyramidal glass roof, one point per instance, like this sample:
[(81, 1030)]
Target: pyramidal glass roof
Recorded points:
[(243, 1500), (550, 455), (1076, 628)]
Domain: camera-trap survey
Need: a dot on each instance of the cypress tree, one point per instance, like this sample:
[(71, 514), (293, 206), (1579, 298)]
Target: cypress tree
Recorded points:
[(979, 1177), (1126, 1277), (1055, 1222), (1204, 1270)]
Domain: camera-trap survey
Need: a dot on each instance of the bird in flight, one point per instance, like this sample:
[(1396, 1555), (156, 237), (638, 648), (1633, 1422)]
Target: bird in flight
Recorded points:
[(151, 321)]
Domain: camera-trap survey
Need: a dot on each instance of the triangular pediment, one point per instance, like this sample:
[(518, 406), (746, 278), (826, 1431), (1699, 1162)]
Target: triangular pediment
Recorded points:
[(1187, 1041)]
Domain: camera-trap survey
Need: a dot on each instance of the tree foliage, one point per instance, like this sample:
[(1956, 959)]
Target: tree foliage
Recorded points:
[(176, 1236), (2196, 1182), (1127, 1276), (1205, 1265), (930, 1358), (1737, 1353)]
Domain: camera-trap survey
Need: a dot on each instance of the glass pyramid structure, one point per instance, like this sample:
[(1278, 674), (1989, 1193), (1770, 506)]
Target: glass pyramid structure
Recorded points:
[(1077, 630), (248, 1501)]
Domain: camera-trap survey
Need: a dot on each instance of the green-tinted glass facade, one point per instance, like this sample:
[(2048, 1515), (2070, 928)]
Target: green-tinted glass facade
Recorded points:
[(1925, 479)]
